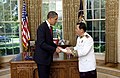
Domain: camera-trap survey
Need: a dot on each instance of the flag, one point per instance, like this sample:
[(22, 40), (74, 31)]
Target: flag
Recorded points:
[(25, 30), (81, 12)]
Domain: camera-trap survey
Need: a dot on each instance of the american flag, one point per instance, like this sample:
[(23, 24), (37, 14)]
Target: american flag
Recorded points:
[(80, 13), (25, 30)]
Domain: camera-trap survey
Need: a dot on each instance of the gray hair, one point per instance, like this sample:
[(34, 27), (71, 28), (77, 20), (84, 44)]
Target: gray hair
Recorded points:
[(52, 14)]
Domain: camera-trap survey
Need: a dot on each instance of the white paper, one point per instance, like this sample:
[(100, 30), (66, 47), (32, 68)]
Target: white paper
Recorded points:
[(63, 50)]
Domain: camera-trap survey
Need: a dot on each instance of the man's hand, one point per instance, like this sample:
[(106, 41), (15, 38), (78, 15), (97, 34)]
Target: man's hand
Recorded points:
[(68, 50), (58, 50)]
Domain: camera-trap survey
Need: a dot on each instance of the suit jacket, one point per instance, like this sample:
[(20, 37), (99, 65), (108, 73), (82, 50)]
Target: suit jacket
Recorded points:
[(45, 46)]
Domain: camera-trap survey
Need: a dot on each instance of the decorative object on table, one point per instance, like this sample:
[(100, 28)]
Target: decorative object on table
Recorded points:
[(63, 42), (27, 55), (32, 45), (56, 40)]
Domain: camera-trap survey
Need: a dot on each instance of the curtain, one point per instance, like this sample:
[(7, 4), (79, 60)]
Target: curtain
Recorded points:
[(112, 11), (70, 18)]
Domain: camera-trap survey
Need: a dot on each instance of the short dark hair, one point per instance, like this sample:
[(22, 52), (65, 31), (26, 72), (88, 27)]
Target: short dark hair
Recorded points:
[(52, 14), (82, 26)]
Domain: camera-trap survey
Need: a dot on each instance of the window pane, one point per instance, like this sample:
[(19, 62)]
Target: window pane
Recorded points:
[(57, 30), (89, 4), (1, 12), (9, 50), (103, 13), (59, 15), (96, 3), (102, 25), (8, 28), (102, 47), (6, 4), (103, 36), (4, 38), (7, 16), (45, 10), (14, 10), (52, 7), (89, 25), (1, 28), (16, 50), (59, 5), (102, 3), (96, 47), (89, 14), (96, 14), (2, 51), (1, 15), (96, 36), (95, 25), (9, 38), (14, 5)]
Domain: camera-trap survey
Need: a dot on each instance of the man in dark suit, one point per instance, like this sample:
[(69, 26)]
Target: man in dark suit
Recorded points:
[(45, 46)]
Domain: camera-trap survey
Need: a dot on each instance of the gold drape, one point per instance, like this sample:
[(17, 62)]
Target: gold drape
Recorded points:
[(70, 18), (112, 10)]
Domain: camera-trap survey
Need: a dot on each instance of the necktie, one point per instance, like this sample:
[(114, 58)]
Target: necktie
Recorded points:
[(51, 30)]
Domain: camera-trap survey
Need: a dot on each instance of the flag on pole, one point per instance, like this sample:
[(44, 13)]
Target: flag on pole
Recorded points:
[(25, 30), (81, 12)]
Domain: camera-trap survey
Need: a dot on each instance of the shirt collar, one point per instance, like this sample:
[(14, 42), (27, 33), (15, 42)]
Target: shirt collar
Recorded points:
[(48, 23), (83, 35)]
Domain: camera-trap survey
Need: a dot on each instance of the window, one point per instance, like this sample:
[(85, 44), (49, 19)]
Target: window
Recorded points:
[(95, 19), (9, 28), (53, 5)]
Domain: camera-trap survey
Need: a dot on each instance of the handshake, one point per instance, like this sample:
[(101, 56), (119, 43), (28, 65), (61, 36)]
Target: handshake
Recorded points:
[(69, 50)]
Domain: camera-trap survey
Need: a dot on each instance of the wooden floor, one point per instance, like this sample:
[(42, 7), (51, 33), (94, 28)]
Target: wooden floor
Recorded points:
[(109, 65), (5, 70), (6, 76)]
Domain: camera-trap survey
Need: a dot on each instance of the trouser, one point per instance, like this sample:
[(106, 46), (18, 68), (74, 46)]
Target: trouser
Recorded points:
[(43, 71), (89, 74)]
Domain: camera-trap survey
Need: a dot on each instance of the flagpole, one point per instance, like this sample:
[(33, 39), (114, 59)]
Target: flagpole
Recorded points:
[(25, 30)]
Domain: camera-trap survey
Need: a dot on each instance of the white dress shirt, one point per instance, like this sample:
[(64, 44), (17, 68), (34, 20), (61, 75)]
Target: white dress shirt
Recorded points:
[(48, 23), (86, 56)]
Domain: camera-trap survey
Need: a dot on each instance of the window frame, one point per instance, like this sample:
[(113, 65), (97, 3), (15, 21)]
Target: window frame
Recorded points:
[(19, 28), (100, 31)]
